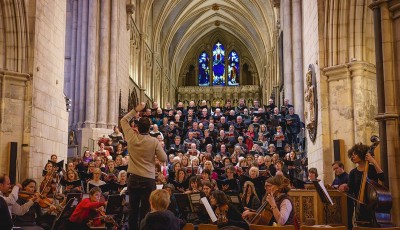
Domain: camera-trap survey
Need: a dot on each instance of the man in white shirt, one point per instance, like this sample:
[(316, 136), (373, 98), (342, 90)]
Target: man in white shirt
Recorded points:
[(11, 199)]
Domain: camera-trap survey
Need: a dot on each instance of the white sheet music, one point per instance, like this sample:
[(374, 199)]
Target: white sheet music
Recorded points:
[(209, 209), (321, 183)]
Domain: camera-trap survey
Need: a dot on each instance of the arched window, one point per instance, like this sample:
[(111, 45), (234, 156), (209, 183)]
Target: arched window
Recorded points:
[(233, 68), (204, 69), (218, 64)]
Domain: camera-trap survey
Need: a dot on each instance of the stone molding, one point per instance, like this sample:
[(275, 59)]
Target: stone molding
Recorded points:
[(386, 116), (358, 68)]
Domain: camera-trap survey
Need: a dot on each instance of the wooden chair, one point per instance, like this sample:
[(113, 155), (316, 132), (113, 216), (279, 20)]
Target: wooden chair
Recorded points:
[(188, 226), (207, 227), (366, 228), (263, 227), (315, 227)]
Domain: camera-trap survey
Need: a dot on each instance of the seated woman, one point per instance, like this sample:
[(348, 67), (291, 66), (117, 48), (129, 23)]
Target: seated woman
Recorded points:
[(86, 211), (32, 209), (250, 199), (95, 181), (281, 204), (226, 213)]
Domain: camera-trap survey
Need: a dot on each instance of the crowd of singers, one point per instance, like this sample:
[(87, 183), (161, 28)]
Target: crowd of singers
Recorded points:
[(214, 151)]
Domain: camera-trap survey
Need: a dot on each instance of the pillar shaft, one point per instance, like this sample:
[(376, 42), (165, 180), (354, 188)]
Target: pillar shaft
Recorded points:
[(103, 63), (287, 50), (298, 100), (91, 65)]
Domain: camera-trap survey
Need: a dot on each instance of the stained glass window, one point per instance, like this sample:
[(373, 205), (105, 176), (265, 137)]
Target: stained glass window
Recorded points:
[(233, 68), (218, 64), (204, 69)]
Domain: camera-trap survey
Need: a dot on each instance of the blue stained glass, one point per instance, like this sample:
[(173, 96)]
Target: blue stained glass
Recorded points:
[(219, 64), (233, 68), (204, 69)]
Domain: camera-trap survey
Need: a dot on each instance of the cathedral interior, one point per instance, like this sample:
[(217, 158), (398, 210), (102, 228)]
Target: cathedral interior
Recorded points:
[(70, 70)]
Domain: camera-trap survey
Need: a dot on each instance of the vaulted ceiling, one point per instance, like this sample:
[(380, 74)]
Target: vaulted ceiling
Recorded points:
[(178, 24)]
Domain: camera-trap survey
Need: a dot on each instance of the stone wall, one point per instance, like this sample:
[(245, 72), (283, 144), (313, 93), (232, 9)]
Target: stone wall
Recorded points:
[(49, 122)]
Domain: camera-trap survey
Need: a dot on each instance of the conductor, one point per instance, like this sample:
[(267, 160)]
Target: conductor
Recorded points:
[(142, 149)]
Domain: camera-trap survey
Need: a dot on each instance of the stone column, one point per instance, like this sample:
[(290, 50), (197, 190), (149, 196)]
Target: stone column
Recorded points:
[(81, 84), (287, 50), (102, 93), (91, 65), (74, 64), (298, 88), (142, 60), (112, 87)]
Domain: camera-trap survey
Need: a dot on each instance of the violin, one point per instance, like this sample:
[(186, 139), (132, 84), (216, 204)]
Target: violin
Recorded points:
[(108, 219), (43, 201)]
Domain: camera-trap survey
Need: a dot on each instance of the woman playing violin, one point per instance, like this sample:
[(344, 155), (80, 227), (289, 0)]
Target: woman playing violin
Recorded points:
[(279, 202), (86, 210), (27, 195)]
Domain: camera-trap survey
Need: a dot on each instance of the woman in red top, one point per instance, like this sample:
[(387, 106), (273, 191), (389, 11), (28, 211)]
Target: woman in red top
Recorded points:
[(86, 210)]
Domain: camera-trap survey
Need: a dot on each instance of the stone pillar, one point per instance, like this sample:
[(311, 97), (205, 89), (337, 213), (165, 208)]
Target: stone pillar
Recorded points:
[(102, 93), (142, 60), (91, 65), (74, 116), (287, 50), (112, 87), (298, 100), (387, 47), (81, 84)]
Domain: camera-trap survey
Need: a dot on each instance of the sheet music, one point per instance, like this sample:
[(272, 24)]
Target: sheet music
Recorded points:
[(321, 183), (159, 186), (209, 209)]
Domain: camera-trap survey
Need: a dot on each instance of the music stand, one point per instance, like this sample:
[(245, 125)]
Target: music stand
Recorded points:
[(235, 200), (67, 211), (77, 196), (114, 205), (324, 196), (182, 200)]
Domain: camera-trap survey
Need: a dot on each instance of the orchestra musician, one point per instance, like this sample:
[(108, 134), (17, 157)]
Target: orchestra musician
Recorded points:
[(86, 210), (280, 204), (12, 197), (250, 199), (226, 213), (29, 219), (359, 155)]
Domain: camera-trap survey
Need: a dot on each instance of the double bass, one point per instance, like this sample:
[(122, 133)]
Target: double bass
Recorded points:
[(374, 196)]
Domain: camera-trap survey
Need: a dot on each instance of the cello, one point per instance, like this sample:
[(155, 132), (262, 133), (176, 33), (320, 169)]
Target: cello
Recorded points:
[(375, 197)]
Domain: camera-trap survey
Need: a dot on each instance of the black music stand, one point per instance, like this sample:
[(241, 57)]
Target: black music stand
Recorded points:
[(114, 205), (183, 203), (324, 196)]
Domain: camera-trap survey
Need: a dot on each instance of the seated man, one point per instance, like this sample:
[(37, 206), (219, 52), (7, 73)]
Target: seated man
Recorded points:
[(160, 217), (87, 210)]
